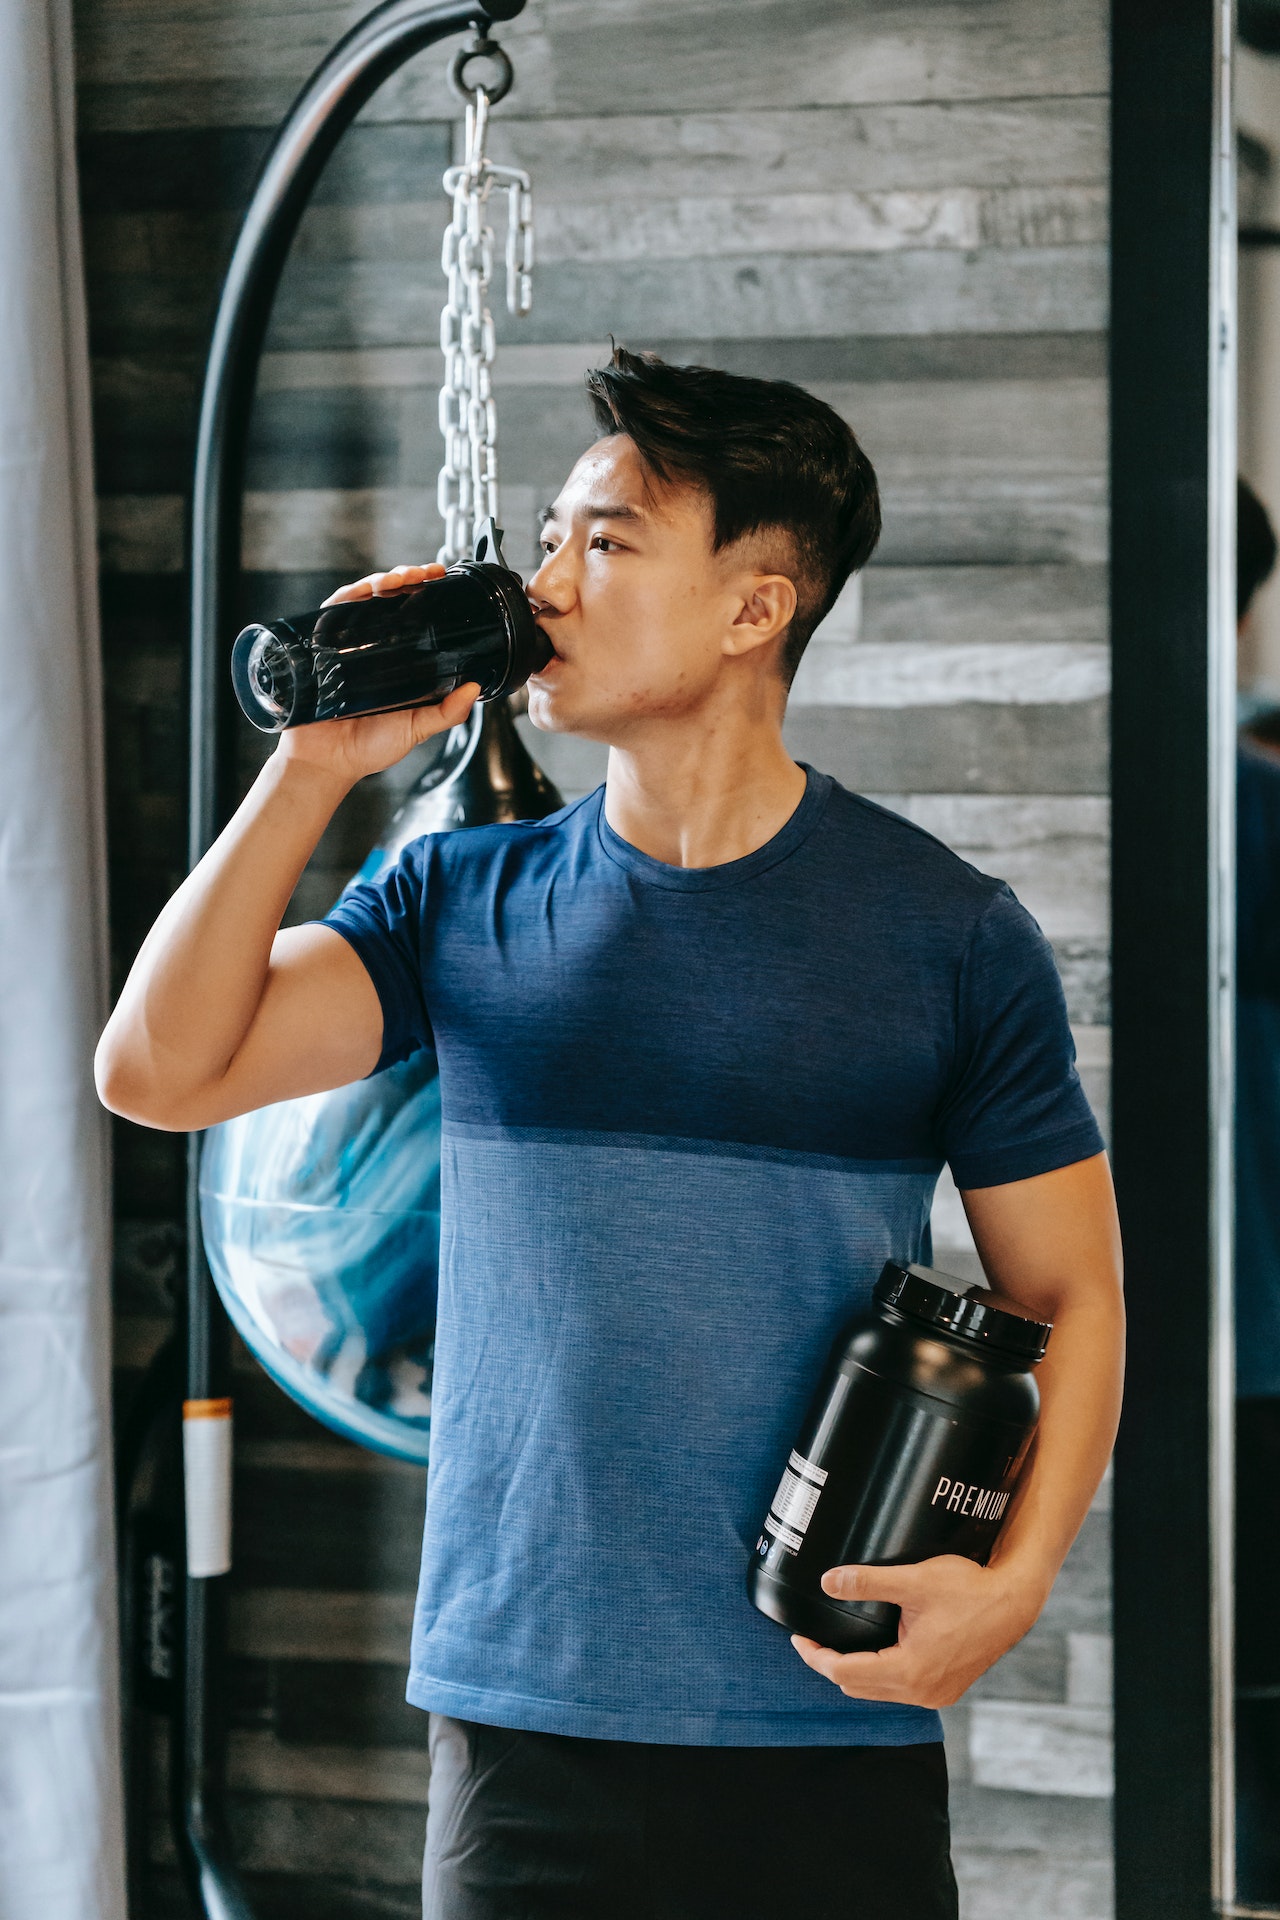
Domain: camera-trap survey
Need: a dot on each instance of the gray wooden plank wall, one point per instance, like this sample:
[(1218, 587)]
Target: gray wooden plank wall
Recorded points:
[(902, 207)]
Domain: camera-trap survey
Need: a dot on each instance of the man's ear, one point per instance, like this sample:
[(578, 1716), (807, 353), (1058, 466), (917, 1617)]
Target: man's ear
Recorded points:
[(766, 610)]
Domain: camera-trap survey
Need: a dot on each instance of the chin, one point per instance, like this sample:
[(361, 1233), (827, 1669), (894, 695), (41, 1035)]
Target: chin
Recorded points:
[(550, 712), (542, 710)]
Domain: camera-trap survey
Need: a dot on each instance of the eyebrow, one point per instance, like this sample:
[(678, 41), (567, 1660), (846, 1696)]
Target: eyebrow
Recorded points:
[(597, 510)]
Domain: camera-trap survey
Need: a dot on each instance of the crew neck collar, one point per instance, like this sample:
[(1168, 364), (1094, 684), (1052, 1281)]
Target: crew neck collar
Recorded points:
[(789, 836)]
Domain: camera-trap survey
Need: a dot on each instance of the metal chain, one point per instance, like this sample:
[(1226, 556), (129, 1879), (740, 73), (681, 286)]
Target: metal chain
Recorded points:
[(467, 491)]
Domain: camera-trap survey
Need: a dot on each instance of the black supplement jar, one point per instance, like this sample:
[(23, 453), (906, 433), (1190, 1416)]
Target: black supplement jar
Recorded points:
[(396, 650), (911, 1448)]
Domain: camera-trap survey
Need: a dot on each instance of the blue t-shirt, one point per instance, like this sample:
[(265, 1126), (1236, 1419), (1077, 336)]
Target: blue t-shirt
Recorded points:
[(687, 1115)]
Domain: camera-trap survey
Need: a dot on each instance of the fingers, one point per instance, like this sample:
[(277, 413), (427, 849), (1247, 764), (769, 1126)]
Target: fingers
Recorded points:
[(862, 1676), (897, 1584), (392, 580)]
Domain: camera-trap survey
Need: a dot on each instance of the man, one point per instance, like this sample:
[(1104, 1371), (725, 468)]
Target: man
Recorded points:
[(705, 1040)]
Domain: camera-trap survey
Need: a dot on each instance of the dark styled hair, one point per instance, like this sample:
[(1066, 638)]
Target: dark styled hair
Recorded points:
[(771, 458), (1255, 546)]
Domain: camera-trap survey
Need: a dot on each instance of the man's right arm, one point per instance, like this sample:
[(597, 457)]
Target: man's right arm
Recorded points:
[(222, 1012)]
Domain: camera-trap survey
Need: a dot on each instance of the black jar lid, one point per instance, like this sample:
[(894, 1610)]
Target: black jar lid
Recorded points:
[(939, 1300)]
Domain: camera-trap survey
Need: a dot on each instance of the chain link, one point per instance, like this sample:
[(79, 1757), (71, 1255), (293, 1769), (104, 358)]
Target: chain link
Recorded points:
[(467, 491)]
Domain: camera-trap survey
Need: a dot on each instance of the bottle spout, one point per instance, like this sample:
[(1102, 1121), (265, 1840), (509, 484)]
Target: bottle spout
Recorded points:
[(543, 651), (488, 547)]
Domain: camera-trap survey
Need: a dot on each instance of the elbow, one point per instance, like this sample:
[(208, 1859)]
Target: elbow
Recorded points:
[(126, 1087)]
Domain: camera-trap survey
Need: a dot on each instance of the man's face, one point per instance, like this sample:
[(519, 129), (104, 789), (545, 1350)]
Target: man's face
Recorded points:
[(636, 605)]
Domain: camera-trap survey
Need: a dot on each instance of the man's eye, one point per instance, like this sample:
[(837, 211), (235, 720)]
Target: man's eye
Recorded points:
[(602, 543)]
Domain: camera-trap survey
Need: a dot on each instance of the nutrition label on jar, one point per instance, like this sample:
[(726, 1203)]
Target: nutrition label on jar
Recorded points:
[(795, 1500)]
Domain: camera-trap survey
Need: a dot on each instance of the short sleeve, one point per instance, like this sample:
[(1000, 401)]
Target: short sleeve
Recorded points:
[(1015, 1106), (382, 919)]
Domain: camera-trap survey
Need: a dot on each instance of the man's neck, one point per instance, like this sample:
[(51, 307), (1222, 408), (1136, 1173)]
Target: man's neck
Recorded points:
[(700, 795)]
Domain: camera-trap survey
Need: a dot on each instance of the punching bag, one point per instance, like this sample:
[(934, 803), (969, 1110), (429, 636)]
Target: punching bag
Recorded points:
[(321, 1216)]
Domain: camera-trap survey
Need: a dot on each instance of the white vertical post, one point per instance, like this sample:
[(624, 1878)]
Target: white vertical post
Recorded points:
[(206, 1471)]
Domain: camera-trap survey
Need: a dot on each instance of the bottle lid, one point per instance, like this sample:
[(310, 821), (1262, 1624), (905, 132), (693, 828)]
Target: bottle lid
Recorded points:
[(940, 1300)]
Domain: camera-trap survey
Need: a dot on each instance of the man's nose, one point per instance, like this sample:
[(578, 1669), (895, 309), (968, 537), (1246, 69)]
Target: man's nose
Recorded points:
[(551, 588)]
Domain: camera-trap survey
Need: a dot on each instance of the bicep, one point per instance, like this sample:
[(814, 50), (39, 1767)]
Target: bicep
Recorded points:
[(318, 1025), (1051, 1238)]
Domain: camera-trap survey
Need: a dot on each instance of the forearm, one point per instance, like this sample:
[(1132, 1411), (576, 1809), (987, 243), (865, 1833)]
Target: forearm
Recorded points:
[(1052, 1245), (200, 975), (1080, 1384)]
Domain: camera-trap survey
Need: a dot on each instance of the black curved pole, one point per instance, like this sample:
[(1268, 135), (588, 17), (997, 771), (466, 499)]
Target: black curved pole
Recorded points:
[(325, 108)]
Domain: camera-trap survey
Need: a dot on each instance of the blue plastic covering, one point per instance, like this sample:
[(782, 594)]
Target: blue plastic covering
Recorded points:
[(321, 1223)]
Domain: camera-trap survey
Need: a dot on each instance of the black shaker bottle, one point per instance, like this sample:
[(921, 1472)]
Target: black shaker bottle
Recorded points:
[(912, 1447), (405, 649)]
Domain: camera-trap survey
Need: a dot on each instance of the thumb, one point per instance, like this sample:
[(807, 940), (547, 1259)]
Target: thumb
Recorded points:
[(869, 1583), (451, 712)]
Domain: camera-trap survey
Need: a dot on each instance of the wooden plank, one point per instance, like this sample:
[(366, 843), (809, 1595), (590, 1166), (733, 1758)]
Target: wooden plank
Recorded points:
[(688, 228), (396, 301), (964, 605), (1029, 522), (337, 1703), (631, 160), (145, 106), (1089, 1669), (285, 1896), (1081, 1598), (1034, 1669), (272, 1833), (341, 1532), (140, 533), (281, 1623), (373, 367), (870, 49), (320, 1452), (127, 379), (994, 290), (973, 821), (1038, 1748), (1032, 1824), (257, 1762), (580, 57), (190, 39), (154, 311), (964, 749), (705, 227), (215, 168), (859, 357), (623, 167), (358, 528), (849, 360), (1083, 966), (912, 428), (924, 673)]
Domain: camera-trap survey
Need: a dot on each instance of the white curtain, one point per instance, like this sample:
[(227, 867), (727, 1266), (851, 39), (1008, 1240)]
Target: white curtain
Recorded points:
[(61, 1847)]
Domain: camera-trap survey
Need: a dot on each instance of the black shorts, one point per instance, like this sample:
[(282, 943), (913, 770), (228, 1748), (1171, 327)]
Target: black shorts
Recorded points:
[(541, 1826)]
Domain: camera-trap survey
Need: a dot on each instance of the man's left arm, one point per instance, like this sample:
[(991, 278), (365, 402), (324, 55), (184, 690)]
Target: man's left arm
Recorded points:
[(1051, 1245)]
